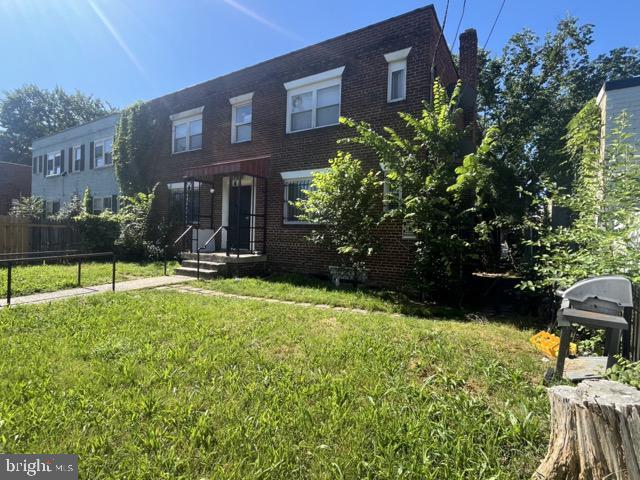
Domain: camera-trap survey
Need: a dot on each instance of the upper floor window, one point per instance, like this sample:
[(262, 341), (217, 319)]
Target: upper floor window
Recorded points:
[(54, 163), (77, 158), (241, 117), (187, 130), (397, 75), (103, 152), (314, 101)]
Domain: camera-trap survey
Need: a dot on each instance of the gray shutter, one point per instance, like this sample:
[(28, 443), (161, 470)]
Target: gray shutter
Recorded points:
[(62, 161), (44, 160), (82, 157), (114, 203), (91, 155), (70, 160), (35, 165)]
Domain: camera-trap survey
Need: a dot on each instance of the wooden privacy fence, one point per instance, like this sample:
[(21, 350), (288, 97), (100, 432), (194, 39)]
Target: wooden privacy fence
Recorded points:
[(20, 235)]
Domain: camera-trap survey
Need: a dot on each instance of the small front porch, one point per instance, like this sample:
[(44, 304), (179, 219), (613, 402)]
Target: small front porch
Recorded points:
[(224, 211)]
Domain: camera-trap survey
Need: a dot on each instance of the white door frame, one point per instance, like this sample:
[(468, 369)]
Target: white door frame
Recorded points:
[(245, 181)]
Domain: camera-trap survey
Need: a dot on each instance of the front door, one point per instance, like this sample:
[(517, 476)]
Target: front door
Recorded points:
[(239, 234)]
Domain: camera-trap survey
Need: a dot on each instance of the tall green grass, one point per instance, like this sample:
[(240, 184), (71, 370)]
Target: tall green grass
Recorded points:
[(160, 384)]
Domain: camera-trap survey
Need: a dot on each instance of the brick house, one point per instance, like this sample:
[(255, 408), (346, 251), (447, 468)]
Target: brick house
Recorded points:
[(234, 150), (15, 182)]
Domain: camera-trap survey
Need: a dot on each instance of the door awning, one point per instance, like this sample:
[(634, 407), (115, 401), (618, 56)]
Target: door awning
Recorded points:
[(254, 167)]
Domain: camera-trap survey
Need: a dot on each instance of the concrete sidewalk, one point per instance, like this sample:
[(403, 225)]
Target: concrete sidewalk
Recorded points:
[(138, 284)]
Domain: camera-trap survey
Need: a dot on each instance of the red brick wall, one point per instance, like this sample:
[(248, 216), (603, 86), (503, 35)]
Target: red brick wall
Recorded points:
[(15, 182), (364, 97)]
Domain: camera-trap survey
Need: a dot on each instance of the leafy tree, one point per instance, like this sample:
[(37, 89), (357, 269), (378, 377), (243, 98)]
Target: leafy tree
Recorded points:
[(133, 139), (29, 112), (603, 237), (419, 169), (87, 201), (31, 208), (70, 210), (141, 231), (345, 205)]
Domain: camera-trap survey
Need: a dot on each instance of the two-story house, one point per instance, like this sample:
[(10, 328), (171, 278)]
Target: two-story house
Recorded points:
[(235, 150), (615, 97), (68, 162)]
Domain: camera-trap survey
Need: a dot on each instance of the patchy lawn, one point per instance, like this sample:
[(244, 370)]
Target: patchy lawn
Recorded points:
[(299, 288), (161, 384), (28, 279)]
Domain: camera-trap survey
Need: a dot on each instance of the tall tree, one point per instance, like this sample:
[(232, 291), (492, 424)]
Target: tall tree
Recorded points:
[(29, 112)]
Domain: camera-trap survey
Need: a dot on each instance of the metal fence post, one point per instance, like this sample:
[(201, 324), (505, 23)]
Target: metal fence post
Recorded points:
[(113, 274), (164, 255), (80, 272), (198, 269), (10, 267)]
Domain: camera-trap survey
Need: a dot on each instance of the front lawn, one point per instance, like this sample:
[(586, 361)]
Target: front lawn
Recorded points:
[(28, 279), (161, 384), (299, 288)]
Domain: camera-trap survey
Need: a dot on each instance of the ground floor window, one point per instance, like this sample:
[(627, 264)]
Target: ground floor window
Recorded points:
[(293, 191), (183, 212), (100, 204), (52, 207)]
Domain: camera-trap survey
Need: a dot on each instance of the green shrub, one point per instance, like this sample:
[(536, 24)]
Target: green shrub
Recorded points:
[(625, 371), (98, 232)]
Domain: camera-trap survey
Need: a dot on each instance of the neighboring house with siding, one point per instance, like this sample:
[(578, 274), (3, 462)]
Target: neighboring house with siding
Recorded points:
[(15, 182), (66, 163), (235, 150), (619, 96)]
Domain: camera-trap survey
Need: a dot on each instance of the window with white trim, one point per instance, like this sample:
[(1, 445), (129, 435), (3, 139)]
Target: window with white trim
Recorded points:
[(397, 75), (295, 184), (314, 102), (52, 207), (54, 163), (103, 152), (392, 199), (77, 158), (100, 204), (241, 117), (187, 130)]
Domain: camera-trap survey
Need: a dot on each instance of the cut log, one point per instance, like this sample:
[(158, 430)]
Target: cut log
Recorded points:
[(595, 433)]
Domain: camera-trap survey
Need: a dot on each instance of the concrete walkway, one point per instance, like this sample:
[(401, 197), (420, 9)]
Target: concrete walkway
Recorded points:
[(235, 296), (138, 284)]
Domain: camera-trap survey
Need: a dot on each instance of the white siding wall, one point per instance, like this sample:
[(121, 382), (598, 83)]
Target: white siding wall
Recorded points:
[(613, 103)]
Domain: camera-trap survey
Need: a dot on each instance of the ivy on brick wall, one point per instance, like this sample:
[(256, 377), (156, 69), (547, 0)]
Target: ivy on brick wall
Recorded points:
[(131, 148)]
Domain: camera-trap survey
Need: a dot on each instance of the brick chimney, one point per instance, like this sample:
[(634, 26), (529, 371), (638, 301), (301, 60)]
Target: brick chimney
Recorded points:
[(468, 72)]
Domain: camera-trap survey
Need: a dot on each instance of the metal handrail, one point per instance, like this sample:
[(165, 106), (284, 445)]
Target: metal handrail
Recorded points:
[(189, 228), (44, 252), (17, 261), (205, 245)]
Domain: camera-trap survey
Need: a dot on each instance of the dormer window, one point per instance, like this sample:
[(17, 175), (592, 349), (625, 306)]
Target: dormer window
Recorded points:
[(187, 130), (314, 101), (397, 75)]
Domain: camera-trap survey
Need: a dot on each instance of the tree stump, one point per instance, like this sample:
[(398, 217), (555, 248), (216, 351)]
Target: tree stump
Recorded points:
[(595, 433)]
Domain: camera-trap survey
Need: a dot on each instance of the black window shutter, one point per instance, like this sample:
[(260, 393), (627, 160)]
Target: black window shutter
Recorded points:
[(114, 203), (82, 157), (70, 160), (39, 163), (44, 160), (91, 155), (62, 161), (35, 164)]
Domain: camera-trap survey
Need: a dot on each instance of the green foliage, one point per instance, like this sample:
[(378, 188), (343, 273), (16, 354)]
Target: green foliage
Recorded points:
[(131, 145), (222, 388), (603, 237), (29, 112), (344, 204), (98, 232), (87, 201), (625, 371), (70, 210), (30, 208), (421, 165)]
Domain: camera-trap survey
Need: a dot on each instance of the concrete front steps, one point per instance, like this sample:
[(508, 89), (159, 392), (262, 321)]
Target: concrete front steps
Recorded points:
[(214, 265)]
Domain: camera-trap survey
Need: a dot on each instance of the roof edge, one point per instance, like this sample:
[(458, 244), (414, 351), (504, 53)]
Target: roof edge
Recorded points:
[(77, 126)]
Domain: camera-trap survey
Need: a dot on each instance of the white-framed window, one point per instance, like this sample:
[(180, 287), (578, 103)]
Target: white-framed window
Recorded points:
[(52, 207), (295, 183), (241, 117), (100, 204), (393, 198), (397, 75), (54, 163), (103, 152), (77, 158), (187, 130), (314, 101)]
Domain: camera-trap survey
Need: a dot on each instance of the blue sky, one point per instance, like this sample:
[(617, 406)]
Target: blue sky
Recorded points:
[(125, 50)]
